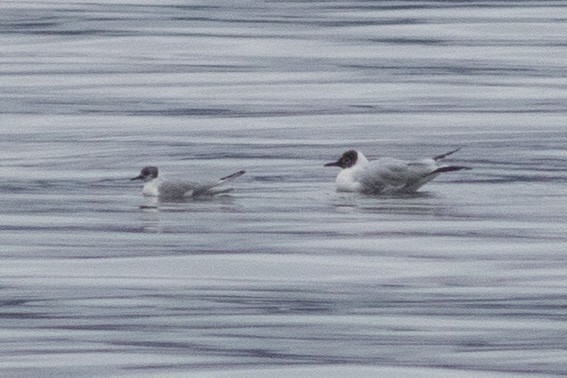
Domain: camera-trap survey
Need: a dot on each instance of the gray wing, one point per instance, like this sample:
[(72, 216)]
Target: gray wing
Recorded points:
[(389, 173), (177, 189), (180, 189)]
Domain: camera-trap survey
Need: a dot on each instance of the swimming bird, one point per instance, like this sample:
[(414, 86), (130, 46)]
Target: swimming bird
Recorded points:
[(176, 189), (387, 174)]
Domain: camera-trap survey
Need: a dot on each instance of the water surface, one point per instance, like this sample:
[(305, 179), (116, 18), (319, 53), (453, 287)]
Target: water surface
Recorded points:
[(284, 277)]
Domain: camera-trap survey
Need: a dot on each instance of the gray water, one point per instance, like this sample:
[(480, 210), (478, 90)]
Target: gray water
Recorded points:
[(284, 277)]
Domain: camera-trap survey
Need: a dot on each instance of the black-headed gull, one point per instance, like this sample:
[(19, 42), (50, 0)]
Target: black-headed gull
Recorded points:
[(387, 174), (177, 189)]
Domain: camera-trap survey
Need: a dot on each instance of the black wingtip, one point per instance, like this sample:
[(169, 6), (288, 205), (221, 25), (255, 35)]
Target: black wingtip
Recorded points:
[(450, 169), (443, 156), (234, 175)]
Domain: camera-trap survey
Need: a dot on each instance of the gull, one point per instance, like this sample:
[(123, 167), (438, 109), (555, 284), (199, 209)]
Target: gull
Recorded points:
[(387, 174), (177, 189)]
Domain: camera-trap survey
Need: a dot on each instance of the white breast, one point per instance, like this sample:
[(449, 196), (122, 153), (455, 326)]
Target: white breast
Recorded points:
[(346, 181), (151, 188)]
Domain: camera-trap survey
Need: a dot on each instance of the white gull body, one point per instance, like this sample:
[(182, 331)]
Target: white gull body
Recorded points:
[(387, 174)]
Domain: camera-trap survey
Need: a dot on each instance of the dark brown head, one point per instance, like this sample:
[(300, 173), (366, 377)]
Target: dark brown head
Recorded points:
[(347, 160), (147, 174)]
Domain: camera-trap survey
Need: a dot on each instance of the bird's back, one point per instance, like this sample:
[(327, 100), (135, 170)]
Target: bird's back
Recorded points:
[(393, 174), (176, 188)]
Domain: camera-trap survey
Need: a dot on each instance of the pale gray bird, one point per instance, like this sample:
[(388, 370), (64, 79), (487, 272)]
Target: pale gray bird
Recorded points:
[(387, 174), (176, 189)]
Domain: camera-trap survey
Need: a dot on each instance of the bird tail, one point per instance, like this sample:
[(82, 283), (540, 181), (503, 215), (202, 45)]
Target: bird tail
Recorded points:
[(443, 156), (231, 177), (451, 168)]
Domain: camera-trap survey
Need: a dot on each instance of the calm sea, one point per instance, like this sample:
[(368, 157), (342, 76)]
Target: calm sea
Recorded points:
[(285, 277)]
